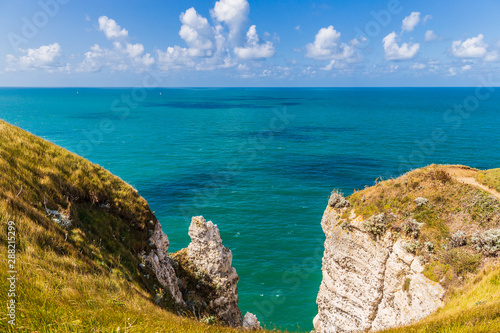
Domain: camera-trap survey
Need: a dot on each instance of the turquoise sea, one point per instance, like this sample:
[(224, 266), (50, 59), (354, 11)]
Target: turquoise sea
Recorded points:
[(260, 163)]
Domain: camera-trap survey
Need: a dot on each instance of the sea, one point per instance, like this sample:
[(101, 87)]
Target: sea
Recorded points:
[(261, 162)]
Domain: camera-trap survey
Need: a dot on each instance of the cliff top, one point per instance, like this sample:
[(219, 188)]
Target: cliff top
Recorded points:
[(449, 217)]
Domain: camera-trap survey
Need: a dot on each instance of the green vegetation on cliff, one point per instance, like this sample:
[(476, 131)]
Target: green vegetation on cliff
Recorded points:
[(449, 216), (82, 277)]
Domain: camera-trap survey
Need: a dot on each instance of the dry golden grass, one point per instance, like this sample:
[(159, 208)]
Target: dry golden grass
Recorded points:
[(84, 278)]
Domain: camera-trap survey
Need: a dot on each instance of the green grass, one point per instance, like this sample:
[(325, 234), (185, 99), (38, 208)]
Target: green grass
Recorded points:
[(84, 278), (490, 178)]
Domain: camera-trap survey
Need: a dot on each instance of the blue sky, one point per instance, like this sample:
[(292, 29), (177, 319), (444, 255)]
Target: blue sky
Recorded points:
[(249, 43)]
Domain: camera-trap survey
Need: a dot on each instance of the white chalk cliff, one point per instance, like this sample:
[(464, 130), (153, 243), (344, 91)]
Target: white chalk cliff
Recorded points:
[(369, 283), (207, 254)]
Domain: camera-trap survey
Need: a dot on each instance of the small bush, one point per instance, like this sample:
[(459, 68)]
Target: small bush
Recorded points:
[(487, 243), (376, 224), (413, 247), (430, 246), (412, 227), (458, 239), (441, 176), (462, 261), (337, 200), (421, 201)]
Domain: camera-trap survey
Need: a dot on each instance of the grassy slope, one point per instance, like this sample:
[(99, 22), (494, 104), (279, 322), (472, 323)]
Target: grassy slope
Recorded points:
[(490, 178), (85, 278), (472, 302)]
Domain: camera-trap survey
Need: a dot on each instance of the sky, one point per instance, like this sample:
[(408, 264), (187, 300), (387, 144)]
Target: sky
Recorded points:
[(249, 43)]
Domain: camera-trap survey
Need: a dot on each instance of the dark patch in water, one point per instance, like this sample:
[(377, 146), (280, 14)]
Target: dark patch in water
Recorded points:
[(323, 129), (337, 170), (301, 134), (102, 115), (190, 190), (206, 105)]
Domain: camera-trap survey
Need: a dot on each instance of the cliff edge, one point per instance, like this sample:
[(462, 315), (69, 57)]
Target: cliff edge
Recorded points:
[(394, 252)]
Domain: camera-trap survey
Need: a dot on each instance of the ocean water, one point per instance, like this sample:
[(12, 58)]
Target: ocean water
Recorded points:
[(260, 163)]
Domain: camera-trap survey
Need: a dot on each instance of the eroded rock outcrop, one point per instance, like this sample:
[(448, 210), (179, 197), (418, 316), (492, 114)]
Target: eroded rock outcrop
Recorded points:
[(208, 281), (369, 283), (159, 262)]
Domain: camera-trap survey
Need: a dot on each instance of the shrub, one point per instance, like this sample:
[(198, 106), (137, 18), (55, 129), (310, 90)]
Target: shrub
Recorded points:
[(413, 247), (440, 175), (376, 224), (462, 261), (421, 201), (458, 239), (488, 242), (412, 227), (430, 246), (337, 200)]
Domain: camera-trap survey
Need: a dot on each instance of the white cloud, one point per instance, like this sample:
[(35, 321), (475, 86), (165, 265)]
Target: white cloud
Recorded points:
[(297, 28), (174, 57), (197, 33), (111, 29), (452, 71), (418, 66), (430, 36), (474, 47), (491, 56), (45, 57), (427, 18), (395, 52), (327, 46), (121, 58), (410, 22), (252, 49), (466, 67), (234, 13)]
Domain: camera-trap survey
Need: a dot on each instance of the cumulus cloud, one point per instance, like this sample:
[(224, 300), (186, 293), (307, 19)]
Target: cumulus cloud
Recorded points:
[(395, 52), (410, 22), (474, 47), (174, 57), (252, 48), (234, 13), (121, 57), (328, 46), (430, 36), (427, 18), (45, 57), (111, 29), (197, 33)]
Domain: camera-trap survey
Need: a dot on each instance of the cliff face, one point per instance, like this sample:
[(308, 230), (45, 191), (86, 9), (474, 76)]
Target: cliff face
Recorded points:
[(369, 284), (393, 250)]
